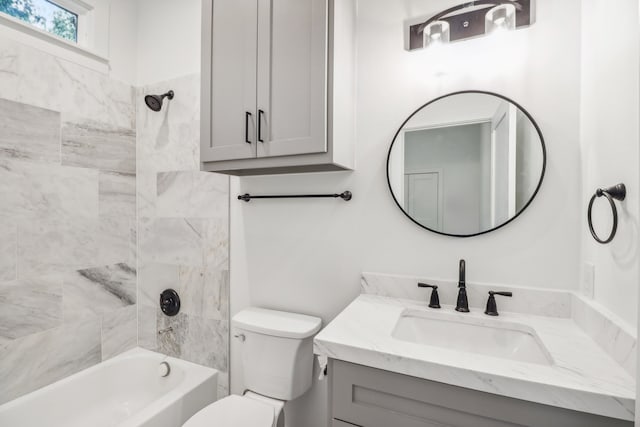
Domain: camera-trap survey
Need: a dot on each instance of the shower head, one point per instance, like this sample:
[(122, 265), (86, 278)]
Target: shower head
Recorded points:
[(154, 102)]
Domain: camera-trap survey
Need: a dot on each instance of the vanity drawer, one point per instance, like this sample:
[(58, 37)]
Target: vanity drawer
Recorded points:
[(374, 398)]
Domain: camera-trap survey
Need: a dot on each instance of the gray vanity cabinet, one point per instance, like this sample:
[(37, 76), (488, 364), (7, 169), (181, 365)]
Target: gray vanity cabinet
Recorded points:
[(368, 397)]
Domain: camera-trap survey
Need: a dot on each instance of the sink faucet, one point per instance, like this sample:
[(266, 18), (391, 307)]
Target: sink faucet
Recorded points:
[(463, 303)]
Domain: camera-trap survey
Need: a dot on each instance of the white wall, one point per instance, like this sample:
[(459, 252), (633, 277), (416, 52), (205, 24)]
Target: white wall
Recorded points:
[(307, 256), (122, 52), (609, 145), (168, 39)]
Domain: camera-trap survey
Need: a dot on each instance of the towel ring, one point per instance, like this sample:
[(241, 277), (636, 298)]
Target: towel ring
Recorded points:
[(617, 192)]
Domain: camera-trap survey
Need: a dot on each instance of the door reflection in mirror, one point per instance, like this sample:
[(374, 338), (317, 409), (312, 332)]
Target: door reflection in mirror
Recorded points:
[(466, 163)]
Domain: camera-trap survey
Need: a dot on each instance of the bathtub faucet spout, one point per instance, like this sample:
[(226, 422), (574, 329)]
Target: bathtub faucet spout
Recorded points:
[(165, 331)]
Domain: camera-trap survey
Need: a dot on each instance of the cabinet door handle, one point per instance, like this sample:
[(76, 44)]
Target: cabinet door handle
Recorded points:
[(247, 116), (260, 114)]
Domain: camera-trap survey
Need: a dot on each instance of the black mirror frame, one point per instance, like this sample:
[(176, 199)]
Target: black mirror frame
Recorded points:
[(533, 196)]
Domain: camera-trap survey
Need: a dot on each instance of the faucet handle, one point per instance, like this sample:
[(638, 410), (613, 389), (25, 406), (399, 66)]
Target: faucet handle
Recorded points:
[(492, 308), (434, 301)]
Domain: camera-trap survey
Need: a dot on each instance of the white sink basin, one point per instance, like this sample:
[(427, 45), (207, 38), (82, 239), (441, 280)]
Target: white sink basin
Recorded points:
[(490, 337)]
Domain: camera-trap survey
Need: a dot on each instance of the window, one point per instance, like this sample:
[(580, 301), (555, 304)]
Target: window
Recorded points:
[(45, 15)]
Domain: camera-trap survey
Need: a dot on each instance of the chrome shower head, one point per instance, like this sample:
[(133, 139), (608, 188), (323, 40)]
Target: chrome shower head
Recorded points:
[(154, 102)]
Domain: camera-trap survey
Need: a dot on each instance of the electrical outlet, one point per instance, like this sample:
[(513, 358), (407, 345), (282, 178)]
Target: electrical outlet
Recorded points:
[(588, 279)]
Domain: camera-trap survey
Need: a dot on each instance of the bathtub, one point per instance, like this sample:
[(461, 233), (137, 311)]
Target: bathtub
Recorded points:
[(126, 391)]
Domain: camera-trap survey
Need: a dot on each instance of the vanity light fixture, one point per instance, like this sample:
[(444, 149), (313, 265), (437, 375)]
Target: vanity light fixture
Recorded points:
[(468, 20)]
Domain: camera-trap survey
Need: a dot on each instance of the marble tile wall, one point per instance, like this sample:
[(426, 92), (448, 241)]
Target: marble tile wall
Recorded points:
[(183, 232), (68, 216)]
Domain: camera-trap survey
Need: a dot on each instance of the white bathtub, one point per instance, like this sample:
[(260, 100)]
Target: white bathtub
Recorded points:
[(126, 391)]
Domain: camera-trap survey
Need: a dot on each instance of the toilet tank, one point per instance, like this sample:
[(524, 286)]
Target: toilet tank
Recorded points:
[(277, 351)]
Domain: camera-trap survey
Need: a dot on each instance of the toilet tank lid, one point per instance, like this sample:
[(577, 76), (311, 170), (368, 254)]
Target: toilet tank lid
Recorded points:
[(277, 323)]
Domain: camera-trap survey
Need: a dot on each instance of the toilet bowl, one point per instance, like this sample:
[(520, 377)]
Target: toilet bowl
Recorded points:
[(250, 410), (277, 363)]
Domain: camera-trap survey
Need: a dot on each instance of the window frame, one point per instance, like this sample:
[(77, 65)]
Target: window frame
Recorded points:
[(86, 37), (83, 11)]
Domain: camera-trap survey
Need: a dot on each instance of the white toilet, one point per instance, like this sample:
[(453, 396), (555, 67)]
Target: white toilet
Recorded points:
[(277, 362)]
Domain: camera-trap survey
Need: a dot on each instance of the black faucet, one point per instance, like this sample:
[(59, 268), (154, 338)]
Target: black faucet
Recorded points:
[(463, 303), (492, 308), (434, 301)]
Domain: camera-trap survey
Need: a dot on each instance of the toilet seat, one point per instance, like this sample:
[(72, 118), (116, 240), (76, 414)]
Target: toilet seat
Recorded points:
[(234, 411)]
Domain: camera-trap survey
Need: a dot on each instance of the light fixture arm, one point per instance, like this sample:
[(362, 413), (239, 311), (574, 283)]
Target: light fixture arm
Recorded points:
[(462, 6)]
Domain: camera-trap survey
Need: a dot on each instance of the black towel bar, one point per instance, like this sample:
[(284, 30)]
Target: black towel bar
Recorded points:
[(346, 196)]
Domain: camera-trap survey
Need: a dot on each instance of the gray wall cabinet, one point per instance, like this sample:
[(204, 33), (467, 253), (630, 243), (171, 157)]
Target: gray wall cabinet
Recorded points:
[(278, 86), (368, 397)]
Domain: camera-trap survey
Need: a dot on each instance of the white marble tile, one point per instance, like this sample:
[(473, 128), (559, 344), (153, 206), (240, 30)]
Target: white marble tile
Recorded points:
[(170, 140), (146, 194), (32, 190), (8, 252), (113, 240), (51, 246), (198, 340), (97, 145), (96, 291), (95, 95), (543, 302), (153, 278), (204, 292), (29, 306), (192, 195), (117, 194), (171, 241), (73, 243), (34, 77), (133, 241), (147, 326), (27, 75), (119, 331), (216, 244), (29, 363), (29, 133), (608, 331)]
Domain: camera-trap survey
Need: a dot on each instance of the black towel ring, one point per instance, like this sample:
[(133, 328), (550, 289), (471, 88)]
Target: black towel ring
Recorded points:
[(617, 192)]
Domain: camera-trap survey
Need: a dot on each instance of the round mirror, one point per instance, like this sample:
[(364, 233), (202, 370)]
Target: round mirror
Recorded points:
[(466, 163)]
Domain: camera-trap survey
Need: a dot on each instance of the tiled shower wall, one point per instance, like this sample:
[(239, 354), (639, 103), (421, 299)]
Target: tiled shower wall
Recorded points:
[(68, 241), (67, 219), (183, 241)]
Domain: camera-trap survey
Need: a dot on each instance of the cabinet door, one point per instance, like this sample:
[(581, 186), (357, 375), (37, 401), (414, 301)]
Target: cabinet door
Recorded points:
[(292, 77), (232, 46)]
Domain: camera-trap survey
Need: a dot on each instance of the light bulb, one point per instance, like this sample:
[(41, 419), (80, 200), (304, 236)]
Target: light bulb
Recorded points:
[(436, 33), (499, 18)]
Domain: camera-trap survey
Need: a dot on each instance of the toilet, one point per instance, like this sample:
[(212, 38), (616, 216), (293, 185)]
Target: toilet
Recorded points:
[(277, 363)]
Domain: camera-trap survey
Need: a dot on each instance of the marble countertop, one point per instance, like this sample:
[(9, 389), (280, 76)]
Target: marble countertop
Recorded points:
[(583, 377)]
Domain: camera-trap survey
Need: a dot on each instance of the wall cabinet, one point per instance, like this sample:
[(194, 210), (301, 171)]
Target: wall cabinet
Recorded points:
[(368, 397), (278, 86)]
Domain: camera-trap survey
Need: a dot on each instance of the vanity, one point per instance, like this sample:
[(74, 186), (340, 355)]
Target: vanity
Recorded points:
[(394, 361)]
